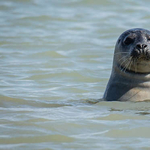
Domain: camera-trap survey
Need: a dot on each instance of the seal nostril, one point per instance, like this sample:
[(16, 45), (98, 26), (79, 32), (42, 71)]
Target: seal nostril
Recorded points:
[(139, 46), (144, 46)]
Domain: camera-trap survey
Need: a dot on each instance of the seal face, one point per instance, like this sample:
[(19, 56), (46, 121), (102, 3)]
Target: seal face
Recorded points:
[(133, 51), (130, 77)]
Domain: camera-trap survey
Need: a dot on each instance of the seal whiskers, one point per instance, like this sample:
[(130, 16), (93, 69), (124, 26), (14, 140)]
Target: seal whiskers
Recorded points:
[(123, 64), (135, 64), (127, 65), (131, 62)]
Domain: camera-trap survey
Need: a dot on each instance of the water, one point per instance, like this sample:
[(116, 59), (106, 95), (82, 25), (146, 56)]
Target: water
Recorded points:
[(55, 61)]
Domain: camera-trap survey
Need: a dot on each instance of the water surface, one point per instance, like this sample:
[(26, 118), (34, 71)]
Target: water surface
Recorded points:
[(55, 61)]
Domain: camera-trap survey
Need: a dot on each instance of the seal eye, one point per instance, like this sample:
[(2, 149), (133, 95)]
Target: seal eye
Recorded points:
[(128, 41)]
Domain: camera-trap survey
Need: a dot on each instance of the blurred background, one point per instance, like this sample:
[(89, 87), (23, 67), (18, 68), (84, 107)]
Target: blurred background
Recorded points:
[(55, 60)]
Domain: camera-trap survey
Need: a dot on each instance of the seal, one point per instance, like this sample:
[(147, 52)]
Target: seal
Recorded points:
[(130, 76)]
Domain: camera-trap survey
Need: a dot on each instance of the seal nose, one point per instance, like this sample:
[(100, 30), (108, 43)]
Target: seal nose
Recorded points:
[(141, 46)]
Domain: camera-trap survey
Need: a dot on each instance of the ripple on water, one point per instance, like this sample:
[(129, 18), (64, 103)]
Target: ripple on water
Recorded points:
[(55, 61)]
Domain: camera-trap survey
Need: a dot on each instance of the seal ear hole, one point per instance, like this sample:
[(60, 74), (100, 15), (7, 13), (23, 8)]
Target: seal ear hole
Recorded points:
[(128, 41)]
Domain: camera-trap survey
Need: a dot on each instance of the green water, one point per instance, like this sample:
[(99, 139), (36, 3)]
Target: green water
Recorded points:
[(55, 61)]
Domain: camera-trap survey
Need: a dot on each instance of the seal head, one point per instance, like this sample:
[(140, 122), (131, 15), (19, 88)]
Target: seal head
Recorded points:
[(130, 77), (132, 51)]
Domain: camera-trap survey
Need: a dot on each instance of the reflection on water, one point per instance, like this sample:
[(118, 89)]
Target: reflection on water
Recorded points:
[(55, 61)]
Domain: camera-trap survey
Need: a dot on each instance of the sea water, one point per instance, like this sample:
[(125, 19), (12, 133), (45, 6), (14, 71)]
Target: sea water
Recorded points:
[(55, 61)]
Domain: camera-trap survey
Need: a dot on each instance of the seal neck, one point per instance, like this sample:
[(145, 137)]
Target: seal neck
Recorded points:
[(131, 74)]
